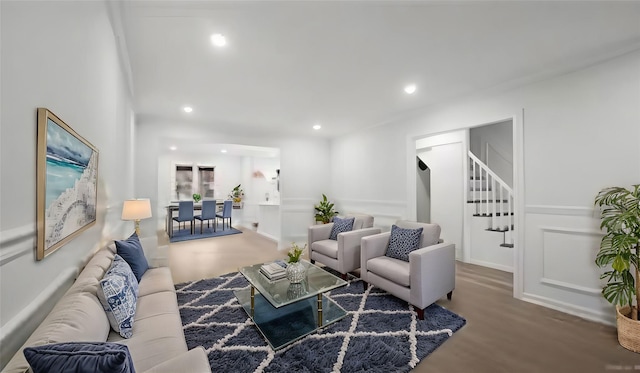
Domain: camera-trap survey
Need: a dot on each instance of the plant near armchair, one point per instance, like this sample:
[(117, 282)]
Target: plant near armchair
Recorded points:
[(324, 210), (620, 249)]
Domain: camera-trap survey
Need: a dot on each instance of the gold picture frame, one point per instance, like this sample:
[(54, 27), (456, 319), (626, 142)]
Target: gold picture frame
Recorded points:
[(67, 183)]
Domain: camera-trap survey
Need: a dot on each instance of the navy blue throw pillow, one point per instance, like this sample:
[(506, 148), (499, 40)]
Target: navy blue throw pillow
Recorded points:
[(402, 242), (90, 357), (339, 226), (131, 251)]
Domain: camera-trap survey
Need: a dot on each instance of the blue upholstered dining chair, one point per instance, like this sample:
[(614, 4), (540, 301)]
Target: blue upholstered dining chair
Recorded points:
[(185, 214), (208, 214), (226, 213)]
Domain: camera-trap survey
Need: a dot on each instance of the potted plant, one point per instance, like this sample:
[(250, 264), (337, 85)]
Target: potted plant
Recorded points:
[(197, 197), (619, 253), (237, 193), (324, 210), (296, 271)]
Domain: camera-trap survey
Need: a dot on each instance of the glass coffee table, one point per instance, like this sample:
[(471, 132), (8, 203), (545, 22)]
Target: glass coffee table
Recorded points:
[(285, 312)]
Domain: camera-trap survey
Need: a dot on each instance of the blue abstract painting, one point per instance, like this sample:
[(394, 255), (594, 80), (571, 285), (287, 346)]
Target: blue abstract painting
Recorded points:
[(67, 183)]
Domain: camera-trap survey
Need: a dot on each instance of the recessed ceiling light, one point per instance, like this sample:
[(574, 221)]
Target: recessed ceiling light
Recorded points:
[(410, 89), (173, 148), (187, 109), (223, 151), (218, 40), (317, 127)]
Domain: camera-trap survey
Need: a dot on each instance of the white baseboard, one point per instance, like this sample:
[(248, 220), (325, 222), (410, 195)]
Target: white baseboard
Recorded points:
[(499, 267), (585, 313)]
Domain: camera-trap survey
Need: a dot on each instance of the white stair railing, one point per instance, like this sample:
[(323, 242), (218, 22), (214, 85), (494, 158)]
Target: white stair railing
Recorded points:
[(493, 198)]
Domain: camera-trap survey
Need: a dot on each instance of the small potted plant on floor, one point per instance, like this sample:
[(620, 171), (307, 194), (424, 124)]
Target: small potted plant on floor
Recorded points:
[(324, 210), (619, 253)]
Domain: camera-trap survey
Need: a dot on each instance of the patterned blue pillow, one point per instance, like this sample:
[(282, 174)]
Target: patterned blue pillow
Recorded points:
[(98, 357), (402, 242), (118, 294), (341, 225), (131, 251)]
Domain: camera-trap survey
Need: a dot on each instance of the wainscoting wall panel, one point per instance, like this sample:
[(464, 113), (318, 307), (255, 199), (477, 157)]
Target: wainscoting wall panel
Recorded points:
[(384, 212), (296, 215), (561, 243)]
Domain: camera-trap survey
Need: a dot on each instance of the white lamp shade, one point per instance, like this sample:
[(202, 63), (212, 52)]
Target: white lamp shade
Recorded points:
[(136, 209)]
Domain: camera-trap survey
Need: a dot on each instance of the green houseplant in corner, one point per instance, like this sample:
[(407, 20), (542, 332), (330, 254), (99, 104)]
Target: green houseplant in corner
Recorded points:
[(619, 254), (324, 210)]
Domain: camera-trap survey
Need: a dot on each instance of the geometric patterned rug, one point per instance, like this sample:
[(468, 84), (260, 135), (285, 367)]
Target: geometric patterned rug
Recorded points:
[(381, 333), (185, 234)]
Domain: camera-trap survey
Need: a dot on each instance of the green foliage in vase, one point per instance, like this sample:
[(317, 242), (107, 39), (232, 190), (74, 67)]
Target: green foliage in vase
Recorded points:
[(197, 197), (324, 210), (295, 252), (620, 247)]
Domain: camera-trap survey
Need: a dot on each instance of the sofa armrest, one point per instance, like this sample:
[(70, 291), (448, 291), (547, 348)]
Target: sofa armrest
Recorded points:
[(371, 247), (318, 233), (349, 247), (433, 273), (194, 360)]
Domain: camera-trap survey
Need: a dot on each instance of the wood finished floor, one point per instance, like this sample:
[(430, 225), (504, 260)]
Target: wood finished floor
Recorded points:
[(502, 334)]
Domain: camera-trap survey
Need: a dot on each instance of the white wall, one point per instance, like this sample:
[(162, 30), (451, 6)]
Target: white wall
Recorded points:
[(304, 170), (493, 144), (61, 56), (445, 162), (579, 134)]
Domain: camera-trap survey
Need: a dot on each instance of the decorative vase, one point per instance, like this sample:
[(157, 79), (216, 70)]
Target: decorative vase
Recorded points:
[(295, 291), (296, 272)]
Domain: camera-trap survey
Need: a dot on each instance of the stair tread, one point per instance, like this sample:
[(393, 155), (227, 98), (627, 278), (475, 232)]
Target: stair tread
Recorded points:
[(486, 201), (506, 245)]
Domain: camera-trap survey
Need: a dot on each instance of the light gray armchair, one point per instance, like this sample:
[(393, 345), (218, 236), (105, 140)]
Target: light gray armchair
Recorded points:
[(343, 254), (429, 275)]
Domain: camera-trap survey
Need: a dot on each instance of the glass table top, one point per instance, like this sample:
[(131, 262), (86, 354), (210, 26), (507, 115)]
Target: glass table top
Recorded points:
[(281, 293)]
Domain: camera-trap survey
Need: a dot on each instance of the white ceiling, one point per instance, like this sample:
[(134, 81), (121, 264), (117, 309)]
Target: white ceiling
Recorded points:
[(343, 64)]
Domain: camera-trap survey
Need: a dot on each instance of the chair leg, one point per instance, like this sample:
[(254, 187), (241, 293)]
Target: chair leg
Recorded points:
[(344, 276), (449, 294), (312, 261), (201, 226), (420, 312)]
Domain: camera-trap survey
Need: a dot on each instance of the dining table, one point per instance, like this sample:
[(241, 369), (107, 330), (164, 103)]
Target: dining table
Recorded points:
[(173, 206)]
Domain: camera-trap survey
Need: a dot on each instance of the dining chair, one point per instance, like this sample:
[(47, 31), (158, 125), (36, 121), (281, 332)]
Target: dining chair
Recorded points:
[(185, 214), (226, 213), (208, 213)]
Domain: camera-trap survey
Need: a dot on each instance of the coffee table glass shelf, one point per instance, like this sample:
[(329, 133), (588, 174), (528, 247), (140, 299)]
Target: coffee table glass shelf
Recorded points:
[(284, 312)]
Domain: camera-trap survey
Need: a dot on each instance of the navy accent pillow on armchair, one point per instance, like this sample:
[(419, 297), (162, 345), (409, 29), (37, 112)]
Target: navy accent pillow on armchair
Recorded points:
[(340, 226), (90, 357), (403, 241), (131, 251)]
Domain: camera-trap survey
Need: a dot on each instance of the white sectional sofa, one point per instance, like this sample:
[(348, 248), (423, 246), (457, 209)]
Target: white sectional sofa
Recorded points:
[(157, 344)]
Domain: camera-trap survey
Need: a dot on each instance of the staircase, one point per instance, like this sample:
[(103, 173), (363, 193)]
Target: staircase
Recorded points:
[(493, 200)]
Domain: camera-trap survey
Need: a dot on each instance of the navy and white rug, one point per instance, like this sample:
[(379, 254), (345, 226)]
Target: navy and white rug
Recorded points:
[(185, 234), (381, 333)]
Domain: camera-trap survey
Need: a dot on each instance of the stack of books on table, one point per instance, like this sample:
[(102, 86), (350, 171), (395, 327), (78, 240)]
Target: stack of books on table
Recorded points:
[(274, 271)]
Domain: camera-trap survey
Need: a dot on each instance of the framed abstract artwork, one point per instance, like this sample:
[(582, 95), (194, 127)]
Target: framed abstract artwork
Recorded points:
[(67, 183)]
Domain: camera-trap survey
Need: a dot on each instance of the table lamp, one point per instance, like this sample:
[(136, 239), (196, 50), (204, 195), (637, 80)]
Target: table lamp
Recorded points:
[(136, 210)]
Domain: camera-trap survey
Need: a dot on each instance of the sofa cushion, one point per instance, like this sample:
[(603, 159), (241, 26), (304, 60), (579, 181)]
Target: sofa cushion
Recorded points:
[(118, 293), (392, 269), (340, 226), (131, 251), (326, 247), (156, 280), (98, 357), (403, 241)]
